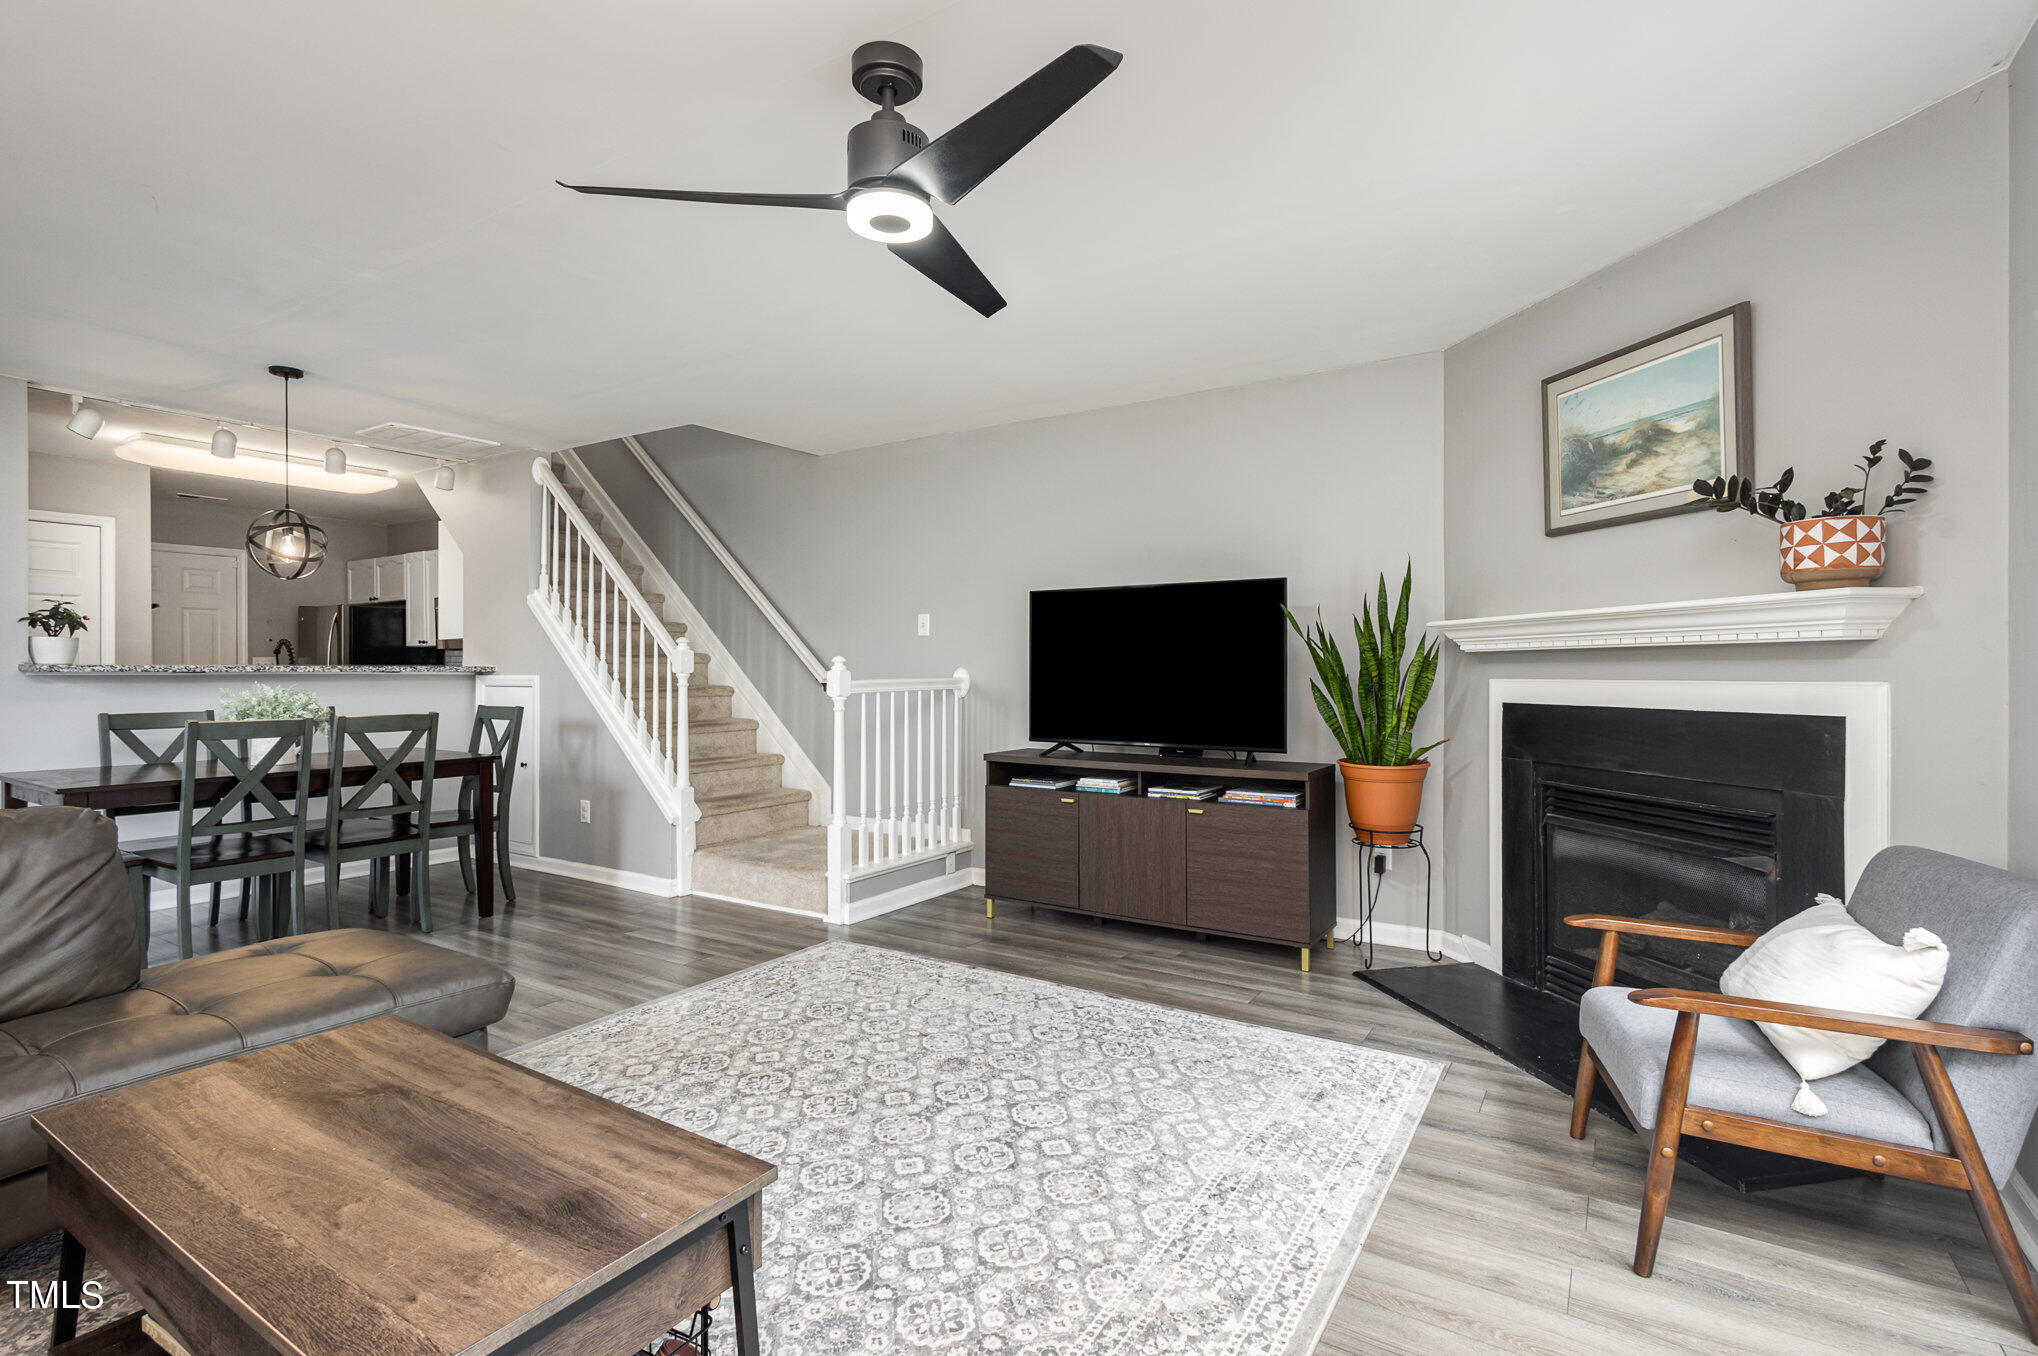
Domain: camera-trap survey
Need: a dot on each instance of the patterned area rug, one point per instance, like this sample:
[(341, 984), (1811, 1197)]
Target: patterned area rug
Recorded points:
[(976, 1162), (973, 1162)]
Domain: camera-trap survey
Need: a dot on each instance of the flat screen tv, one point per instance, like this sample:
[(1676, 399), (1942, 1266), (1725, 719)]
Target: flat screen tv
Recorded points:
[(1185, 667)]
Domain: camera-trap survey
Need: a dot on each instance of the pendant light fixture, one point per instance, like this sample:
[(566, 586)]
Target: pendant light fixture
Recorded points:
[(283, 541)]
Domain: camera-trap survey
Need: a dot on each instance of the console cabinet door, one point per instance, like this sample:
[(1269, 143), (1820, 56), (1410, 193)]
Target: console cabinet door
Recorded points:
[(1132, 857), (1030, 845), (1249, 871)]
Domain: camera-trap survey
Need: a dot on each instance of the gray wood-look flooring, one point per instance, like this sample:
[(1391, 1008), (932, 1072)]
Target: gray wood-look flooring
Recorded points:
[(1500, 1233)]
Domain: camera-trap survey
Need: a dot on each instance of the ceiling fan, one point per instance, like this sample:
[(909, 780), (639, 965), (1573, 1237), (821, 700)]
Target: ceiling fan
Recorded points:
[(894, 169)]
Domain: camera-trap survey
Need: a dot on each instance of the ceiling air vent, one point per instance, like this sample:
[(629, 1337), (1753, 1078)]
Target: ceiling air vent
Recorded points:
[(207, 498), (412, 438)]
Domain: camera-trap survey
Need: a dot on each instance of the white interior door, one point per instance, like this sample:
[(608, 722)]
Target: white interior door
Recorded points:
[(67, 561), (518, 690), (201, 606)]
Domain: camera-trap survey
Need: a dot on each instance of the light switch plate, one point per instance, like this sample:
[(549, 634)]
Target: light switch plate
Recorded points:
[(587, 812), (926, 623)]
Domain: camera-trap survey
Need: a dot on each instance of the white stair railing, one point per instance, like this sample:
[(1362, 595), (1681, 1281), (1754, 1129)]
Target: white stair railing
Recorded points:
[(903, 802), (631, 666)]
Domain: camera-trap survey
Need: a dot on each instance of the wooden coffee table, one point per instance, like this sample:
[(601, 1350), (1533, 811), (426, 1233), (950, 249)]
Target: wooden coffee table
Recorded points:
[(383, 1189)]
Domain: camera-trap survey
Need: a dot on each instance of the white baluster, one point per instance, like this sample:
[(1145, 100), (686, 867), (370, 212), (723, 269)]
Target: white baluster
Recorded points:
[(838, 825)]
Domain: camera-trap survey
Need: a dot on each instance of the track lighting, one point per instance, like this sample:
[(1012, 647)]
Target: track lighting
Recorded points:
[(444, 478), (336, 460), (84, 421), (224, 442)]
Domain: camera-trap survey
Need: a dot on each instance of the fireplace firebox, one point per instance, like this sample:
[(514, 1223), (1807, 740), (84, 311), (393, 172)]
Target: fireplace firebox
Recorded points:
[(1723, 818)]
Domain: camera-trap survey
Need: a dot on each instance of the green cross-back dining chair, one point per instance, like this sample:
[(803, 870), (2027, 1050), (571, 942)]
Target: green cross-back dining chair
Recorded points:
[(358, 829), (129, 728), (497, 730), (248, 833)]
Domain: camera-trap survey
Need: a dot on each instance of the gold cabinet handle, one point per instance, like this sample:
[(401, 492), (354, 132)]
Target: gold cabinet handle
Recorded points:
[(1068, 800), (1195, 812)]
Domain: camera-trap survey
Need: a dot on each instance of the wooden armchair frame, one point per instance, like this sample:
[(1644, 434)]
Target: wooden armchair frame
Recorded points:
[(1962, 1169)]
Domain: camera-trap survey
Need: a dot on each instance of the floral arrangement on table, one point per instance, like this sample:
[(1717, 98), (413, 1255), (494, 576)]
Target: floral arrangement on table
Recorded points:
[(53, 637), (263, 702), (1843, 544)]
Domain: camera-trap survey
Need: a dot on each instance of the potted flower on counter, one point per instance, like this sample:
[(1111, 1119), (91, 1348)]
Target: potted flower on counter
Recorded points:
[(1841, 546), (53, 633), (1372, 715)]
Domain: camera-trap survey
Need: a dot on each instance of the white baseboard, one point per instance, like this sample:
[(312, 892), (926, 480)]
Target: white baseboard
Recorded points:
[(2021, 1204), (1410, 937), (916, 893), (665, 887), (976, 875), (760, 904), (163, 895)]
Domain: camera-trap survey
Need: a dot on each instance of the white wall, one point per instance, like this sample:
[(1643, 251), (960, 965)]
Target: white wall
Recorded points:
[(2023, 496), (272, 602), (117, 490), (1878, 281), (1327, 479)]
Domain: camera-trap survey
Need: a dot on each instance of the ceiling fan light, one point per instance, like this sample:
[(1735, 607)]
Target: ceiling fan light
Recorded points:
[(890, 216), (224, 442), (336, 460), (84, 421)]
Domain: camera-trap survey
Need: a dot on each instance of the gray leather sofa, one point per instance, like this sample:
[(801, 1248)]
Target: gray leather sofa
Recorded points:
[(79, 1014)]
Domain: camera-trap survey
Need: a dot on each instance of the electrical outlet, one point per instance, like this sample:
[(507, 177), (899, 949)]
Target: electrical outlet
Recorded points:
[(1383, 862), (587, 812), (926, 623)]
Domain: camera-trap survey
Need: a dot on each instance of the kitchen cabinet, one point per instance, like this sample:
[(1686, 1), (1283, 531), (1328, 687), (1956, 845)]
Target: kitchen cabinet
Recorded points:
[(361, 581), (411, 579), (379, 579)]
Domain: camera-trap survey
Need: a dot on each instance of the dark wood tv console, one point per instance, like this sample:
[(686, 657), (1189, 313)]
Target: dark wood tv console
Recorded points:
[(1259, 872)]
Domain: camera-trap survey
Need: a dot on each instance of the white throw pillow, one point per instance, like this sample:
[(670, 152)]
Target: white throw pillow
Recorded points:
[(1824, 959)]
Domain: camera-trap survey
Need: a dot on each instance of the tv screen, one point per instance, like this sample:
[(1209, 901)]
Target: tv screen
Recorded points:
[(1182, 666)]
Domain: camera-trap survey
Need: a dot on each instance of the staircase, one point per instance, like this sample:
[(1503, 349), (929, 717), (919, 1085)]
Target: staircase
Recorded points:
[(751, 840), (754, 818)]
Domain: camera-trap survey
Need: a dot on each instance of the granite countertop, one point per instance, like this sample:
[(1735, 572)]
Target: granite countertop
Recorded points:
[(254, 670)]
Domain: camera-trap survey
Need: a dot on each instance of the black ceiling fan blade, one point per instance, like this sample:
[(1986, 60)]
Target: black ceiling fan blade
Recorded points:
[(955, 162), (941, 257), (827, 201)]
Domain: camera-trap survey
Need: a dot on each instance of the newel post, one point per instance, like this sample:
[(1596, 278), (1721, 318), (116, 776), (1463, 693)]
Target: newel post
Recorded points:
[(838, 825)]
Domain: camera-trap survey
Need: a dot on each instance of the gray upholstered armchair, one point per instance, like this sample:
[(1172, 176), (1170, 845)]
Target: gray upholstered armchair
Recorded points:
[(1946, 1100)]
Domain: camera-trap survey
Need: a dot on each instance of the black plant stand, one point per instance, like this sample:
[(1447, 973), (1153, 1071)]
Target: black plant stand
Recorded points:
[(1370, 883)]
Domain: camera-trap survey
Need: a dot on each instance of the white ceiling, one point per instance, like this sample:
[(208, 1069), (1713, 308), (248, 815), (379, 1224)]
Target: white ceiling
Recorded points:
[(196, 190)]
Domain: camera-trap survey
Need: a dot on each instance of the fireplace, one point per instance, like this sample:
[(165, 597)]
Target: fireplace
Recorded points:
[(1726, 818)]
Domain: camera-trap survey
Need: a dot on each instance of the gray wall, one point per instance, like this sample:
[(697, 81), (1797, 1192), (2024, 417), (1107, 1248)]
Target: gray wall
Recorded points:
[(272, 602), (118, 490), (1877, 279), (491, 513), (1327, 479), (2023, 496), (422, 535)]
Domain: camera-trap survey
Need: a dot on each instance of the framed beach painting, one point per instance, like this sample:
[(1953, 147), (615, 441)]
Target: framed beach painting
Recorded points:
[(1624, 436)]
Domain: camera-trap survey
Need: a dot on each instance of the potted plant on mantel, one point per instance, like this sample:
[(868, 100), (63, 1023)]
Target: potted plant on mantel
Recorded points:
[(53, 633), (1843, 546), (1372, 716)]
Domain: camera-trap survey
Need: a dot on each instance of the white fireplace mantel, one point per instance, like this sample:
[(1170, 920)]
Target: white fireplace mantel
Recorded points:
[(1753, 619)]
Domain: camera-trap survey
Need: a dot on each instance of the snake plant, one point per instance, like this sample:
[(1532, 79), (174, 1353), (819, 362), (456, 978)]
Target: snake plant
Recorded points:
[(1372, 716)]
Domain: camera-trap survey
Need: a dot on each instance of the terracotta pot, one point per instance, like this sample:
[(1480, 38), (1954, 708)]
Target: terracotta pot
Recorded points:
[(1383, 803), (1834, 553)]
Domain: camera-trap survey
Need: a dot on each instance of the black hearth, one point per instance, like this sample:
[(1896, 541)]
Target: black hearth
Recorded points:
[(1728, 819)]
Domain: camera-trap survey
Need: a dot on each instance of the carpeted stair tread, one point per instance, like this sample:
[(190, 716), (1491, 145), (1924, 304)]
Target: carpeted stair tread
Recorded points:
[(753, 800), (787, 868)]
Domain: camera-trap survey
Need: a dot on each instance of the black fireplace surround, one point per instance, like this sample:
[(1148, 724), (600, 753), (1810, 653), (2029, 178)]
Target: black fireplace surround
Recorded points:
[(1729, 819)]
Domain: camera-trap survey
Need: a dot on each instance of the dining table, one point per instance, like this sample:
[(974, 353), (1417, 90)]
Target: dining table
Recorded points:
[(117, 789)]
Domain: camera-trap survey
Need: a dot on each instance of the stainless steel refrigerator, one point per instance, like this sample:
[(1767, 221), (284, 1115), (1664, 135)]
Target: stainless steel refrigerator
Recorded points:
[(322, 634)]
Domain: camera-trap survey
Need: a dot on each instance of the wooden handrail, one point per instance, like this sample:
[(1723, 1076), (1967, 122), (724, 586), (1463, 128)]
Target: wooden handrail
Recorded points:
[(1988, 1040), (801, 650)]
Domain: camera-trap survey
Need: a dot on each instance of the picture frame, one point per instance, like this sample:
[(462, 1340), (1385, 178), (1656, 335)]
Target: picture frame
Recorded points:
[(1625, 435)]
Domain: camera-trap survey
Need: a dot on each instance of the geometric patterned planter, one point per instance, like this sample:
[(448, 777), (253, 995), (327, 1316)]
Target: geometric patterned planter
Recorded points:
[(1834, 553)]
